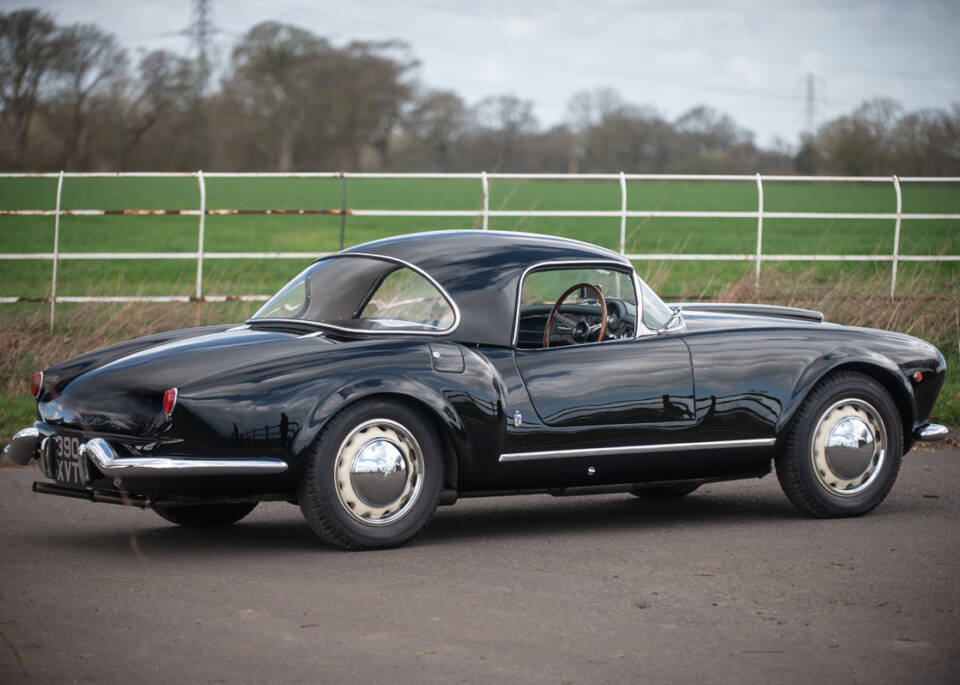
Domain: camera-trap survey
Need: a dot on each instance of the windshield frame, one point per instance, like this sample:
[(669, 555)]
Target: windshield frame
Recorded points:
[(373, 331)]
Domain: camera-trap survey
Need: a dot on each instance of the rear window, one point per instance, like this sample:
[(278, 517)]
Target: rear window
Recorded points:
[(363, 293)]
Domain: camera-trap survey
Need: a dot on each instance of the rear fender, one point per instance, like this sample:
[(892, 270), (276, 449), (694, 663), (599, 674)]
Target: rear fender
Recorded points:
[(417, 393)]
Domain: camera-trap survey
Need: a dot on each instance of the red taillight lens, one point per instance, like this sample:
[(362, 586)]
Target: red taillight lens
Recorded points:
[(170, 400), (36, 383)]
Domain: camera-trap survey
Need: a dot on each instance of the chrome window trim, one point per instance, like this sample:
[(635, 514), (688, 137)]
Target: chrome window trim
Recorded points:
[(599, 263), (640, 323), (443, 292), (680, 325), (636, 449)]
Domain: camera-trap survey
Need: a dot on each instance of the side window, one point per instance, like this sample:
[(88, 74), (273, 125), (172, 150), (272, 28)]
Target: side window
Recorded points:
[(570, 300)]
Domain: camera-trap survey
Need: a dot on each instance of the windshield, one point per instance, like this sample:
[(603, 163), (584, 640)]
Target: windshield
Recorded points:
[(362, 293)]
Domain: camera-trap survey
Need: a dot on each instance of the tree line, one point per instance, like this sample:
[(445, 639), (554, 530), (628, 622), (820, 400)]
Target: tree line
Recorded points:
[(73, 98)]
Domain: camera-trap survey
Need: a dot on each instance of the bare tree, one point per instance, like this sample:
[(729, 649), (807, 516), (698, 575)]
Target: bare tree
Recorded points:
[(277, 80), (507, 121), (378, 92), (164, 89), (26, 53), (438, 120), (87, 60)]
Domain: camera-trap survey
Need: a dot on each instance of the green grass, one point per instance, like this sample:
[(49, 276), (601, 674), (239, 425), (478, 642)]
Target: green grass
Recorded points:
[(321, 233)]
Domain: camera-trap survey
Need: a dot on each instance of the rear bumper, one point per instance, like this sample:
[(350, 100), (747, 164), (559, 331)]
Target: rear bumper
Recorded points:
[(23, 448), (932, 432), (103, 457), (98, 457)]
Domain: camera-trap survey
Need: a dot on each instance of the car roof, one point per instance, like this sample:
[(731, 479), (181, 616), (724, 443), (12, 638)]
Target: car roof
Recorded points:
[(481, 271)]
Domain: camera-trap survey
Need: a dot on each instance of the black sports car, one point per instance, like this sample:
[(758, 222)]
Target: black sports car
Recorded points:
[(407, 372)]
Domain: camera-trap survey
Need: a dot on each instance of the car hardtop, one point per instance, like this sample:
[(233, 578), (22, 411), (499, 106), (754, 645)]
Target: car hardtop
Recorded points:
[(481, 271)]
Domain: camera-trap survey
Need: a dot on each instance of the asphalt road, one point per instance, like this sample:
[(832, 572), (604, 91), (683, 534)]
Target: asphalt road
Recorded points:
[(729, 585)]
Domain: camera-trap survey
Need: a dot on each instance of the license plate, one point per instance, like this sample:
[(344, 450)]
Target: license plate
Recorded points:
[(66, 453)]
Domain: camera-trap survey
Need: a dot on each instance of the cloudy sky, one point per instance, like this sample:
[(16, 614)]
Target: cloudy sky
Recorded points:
[(749, 58)]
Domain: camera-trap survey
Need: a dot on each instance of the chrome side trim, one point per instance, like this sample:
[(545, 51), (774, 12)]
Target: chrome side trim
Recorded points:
[(626, 269), (932, 432), (105, 459), (637, 449), (23, 446)]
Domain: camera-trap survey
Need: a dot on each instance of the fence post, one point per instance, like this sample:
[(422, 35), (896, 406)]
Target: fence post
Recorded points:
[(56, 251), (343, 208), (486, 198), (203, 215), (623, 213), (896, 236), (759, 230)]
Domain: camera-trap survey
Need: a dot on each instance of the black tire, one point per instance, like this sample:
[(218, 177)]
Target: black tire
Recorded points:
[(204, 514), (664, 491), (331, 492), (828, 483)]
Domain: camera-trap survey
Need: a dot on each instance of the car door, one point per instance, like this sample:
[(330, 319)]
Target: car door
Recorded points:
[(629, 387)]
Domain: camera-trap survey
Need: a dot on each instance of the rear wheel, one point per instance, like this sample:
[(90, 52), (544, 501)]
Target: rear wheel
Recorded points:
[(204, 514), (843, 448), (373, 476)]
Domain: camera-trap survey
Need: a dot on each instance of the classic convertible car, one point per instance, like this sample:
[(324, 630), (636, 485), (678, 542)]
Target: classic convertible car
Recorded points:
[(407, 372)]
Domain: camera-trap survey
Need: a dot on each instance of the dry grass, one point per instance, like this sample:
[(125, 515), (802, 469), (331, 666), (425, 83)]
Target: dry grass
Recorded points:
[(854, 300)]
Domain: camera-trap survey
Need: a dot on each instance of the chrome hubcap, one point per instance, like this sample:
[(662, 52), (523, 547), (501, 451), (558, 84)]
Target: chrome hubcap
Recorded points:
[(849, 446), (378, 472)]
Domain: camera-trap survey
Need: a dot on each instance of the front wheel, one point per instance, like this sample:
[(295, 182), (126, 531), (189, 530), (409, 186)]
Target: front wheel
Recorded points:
[(372, 478), (843, 448), (204, 514)]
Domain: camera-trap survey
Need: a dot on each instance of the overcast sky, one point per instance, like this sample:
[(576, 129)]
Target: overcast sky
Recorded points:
[(748, 58)]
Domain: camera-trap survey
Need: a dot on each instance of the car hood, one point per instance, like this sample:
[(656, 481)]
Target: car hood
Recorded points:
[(124, 394), (901, 349)]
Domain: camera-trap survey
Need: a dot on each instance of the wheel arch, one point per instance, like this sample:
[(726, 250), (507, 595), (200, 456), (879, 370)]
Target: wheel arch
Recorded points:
[(429, 404), (880, 369)]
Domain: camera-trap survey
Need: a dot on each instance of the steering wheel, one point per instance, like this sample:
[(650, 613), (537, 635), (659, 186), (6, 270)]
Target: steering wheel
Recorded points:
[(579, 328)]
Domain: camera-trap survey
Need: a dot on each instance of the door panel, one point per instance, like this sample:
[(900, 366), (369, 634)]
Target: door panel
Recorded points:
[(643, 382)]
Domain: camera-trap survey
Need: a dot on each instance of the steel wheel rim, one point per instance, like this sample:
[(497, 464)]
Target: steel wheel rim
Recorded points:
[(849, 447), (378, 473)]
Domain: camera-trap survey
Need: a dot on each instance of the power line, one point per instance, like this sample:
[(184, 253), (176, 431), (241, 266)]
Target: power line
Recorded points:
[(201, 31)]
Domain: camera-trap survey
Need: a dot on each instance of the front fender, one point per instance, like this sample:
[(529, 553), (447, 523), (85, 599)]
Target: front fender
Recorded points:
[(885, 370)]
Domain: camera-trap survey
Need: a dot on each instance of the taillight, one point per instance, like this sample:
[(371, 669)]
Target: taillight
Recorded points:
[(170, 400), (36, 383)]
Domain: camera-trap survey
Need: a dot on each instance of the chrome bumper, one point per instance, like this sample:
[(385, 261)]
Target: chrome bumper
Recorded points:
[(103, 457), (99, 454), (932, 432), (23, 447)]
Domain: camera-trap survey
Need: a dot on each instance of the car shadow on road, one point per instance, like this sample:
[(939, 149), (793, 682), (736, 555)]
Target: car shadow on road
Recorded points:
[(575, 516), (469, 520)]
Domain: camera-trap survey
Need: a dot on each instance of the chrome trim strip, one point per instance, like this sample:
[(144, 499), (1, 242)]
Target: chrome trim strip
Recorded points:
[(637, 449), (105, 458), (395, 260), (932, 432), (23, 446), (627, 269)]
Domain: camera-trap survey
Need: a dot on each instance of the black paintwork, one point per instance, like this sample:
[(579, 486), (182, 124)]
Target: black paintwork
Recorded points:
[(268, 389)]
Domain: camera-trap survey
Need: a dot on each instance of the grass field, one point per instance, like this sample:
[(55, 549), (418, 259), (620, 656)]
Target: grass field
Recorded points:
[(829, 286)]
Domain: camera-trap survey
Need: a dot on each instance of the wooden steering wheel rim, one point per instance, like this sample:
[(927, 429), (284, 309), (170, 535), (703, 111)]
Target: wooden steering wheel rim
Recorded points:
[(556, 308)]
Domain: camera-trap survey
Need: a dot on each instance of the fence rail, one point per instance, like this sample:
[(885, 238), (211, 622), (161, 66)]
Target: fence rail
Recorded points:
[(483, 214)]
